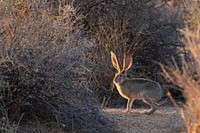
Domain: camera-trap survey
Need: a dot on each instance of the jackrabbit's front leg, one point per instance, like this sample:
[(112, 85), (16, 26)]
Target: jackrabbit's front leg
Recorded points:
[(129, 105)]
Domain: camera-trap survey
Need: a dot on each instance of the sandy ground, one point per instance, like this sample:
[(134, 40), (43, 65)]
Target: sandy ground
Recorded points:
[(165, 120)]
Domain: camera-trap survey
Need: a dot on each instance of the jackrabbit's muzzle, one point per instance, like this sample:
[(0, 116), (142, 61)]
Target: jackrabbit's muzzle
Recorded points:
[(121, 78)]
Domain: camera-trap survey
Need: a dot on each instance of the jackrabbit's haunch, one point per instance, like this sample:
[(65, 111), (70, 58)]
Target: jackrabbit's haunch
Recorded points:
[(146, 90)]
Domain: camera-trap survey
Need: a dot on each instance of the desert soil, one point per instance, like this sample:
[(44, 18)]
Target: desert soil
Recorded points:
[(165, 119)]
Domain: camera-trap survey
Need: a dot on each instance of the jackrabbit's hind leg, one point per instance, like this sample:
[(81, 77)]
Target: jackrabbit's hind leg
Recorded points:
[(152, 109)]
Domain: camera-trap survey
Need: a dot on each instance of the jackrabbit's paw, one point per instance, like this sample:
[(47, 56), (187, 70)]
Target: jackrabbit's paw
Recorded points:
[(126, 111), (148, 112)]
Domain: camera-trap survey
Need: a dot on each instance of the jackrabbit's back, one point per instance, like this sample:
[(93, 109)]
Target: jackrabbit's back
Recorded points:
[(140, 88)]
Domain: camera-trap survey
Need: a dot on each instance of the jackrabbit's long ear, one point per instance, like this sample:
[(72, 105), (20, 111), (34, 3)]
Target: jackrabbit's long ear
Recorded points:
[(127, 62), (115, 61)]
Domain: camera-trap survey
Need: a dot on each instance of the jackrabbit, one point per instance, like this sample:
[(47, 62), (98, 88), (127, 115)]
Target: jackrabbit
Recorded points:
[(146, 90)]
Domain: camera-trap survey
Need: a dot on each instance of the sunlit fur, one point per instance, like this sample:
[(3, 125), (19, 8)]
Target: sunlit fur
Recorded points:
[(136, 88)]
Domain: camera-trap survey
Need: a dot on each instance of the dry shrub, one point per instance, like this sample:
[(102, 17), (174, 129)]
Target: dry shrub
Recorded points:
[(145, 28), (42, 67), (188, 76)]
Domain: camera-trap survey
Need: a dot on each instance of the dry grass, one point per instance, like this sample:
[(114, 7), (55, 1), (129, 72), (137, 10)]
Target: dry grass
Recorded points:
[(42, 68), (187, 75)]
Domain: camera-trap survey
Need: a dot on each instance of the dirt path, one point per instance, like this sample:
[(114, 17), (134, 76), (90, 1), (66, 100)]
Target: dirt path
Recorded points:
[(165, 120)]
